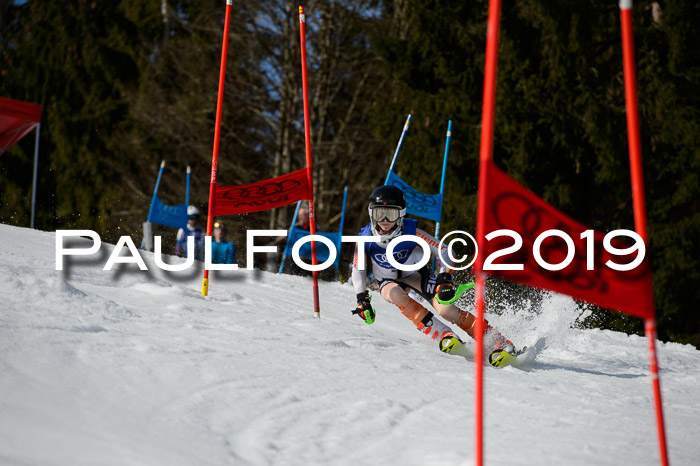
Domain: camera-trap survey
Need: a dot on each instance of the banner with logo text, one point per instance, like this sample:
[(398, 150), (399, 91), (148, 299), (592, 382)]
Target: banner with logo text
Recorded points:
[(263, 195), (513, 207)]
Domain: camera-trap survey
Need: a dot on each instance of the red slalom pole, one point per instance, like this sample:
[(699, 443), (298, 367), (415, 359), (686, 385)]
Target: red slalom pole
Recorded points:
[(307, 139), (217, 132), (486, 155), (640, 220)]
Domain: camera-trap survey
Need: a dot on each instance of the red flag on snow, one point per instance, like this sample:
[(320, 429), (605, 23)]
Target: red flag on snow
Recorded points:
[(263, 195), (513, 207)]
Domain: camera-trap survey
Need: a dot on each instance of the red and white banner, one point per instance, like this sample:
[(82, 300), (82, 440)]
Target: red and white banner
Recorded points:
[(511, 206), (263, 195)]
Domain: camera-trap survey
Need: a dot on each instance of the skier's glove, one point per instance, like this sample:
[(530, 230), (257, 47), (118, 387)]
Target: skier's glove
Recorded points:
[(445, 288), (364, 307)]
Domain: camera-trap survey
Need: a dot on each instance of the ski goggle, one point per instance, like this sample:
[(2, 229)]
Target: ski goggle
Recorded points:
[(390, 214)]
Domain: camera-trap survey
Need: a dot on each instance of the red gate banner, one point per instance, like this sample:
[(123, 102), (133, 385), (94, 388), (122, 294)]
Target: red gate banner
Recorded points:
[(513, 207), (17, 118), (263, 195)]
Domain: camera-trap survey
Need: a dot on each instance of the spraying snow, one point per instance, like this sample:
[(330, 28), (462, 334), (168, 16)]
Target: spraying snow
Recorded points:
[(132, 367)]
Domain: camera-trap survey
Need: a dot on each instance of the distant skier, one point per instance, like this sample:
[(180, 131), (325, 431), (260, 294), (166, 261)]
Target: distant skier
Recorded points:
[(191, 230), (222, 250), (387, 208)]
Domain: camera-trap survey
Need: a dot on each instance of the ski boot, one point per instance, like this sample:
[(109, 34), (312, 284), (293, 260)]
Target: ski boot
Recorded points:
[(502, 350), (450, 343)]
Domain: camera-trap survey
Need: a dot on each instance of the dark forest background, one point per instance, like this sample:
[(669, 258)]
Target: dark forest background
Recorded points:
[(126, 84)]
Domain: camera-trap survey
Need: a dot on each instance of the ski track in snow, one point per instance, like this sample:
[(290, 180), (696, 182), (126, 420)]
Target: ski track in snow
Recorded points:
[(129, 367)]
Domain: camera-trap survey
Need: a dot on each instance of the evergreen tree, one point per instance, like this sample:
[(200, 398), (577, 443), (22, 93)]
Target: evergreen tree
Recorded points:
[(75, 60), (560, 119)]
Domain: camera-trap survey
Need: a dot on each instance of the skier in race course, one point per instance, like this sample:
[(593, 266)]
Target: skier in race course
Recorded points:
[(387, 208), (223, 251), (191, 230)]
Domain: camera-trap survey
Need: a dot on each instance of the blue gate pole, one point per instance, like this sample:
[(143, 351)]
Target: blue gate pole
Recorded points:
[(36, 168), (342, 222), (187, 196), (155, 193), (442, 181), (187, 192), (398, 147), (444, 170), (289, 236)]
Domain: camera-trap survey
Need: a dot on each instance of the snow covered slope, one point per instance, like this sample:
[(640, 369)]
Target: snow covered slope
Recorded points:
[(136, 368)]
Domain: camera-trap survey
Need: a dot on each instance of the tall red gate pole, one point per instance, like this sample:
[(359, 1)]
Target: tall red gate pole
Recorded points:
[(217, 132), (307, 138), (486, 155), (640, 220)]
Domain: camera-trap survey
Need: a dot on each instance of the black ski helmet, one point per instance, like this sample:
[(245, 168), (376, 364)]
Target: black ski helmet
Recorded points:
[(387, 196)]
